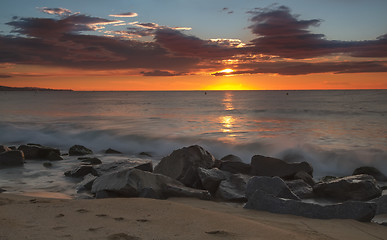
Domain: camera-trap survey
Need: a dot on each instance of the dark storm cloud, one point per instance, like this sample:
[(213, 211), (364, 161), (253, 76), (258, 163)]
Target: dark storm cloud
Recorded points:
[(5, 76), (161, 73), (281, 33), (302, 68), (185, 45), (48, 27)]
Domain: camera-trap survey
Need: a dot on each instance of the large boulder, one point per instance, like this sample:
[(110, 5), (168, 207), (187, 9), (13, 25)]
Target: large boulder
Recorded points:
[(39, 152), (235, 167), (233, 188), (361, 211), (300, 188), (81, 171), (11, 158), (379, 176), (382, 204), (231, 158), (79, 150), (86, 183), (133, 182), (211, 178), (4, 148), (359, 187), (141, 164), (272, 185), (183, 164), (305, 177), (268, 166)]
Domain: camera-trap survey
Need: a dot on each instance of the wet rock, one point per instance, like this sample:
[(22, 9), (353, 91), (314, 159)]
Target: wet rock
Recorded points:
[(47, 164), (54, 156), (361, 211), (79, 150), (231, 158), (2, 190), (182, 165), (112, 151), (379, 176), (235, 167), (305, 177), (145, 154), (81, 171), (124, 164), (136, 183), (359, 187), (268, 166), (86, 183), (4, 148), (211, 178), (382, 204), (271, 185), (300, 188), (37, 151), (328, 178), (90, 160), (233, 188), (11, 158)]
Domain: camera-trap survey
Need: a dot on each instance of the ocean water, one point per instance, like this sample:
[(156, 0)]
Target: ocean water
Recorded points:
[(335, 131)]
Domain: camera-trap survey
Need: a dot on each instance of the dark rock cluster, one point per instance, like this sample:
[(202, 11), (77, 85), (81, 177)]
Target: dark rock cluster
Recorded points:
[(266, 183)]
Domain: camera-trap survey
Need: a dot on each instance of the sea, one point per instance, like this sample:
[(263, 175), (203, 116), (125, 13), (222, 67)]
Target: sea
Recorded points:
[(335, 131)]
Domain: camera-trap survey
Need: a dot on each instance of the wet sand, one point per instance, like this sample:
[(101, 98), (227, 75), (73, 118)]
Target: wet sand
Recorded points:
[(29, 217)]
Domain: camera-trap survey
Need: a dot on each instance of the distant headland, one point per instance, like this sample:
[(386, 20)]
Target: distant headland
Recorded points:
[(4, 88)]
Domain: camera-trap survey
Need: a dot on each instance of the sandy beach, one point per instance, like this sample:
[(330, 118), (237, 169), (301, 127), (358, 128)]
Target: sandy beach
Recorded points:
[(31, 217)]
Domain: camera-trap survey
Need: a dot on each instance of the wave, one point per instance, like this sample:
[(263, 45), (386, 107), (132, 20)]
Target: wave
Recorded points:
[(336, 162)]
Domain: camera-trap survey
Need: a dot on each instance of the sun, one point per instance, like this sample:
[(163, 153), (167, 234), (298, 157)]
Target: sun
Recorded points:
[(227, 70)]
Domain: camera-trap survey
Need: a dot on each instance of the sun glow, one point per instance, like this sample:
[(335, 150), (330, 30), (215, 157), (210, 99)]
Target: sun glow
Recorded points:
[(227, 70)]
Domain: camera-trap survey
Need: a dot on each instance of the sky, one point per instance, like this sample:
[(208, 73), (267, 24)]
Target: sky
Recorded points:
[(193, 45)]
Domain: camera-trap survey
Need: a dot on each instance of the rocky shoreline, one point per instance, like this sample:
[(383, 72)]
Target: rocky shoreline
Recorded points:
[(266, 183)]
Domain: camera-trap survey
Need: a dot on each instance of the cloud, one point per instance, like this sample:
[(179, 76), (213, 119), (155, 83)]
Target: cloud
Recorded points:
[(161, 73), (303, 68), (48, 28), (56, 11), (185, 45), (128, 14), (283, 34), (5, 76)]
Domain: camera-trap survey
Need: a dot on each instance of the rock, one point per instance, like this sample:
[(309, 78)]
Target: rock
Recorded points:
[(54, 156), (4, 148), (379, 176), (11, 158), (382, 204), (2, 190), (211, 178), (37, 151), (271, 185), (235, 167), (361, 211), (124, 164), (145, 154), (137, 183), (81, 171), (90, 160), (182, 165), (86, 183), (359, 187), (305, 177), (231, 158), (112, 151), (300, 188), (79, 150), (233, 188), (328, 178), (267, 166), (47, 164)]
